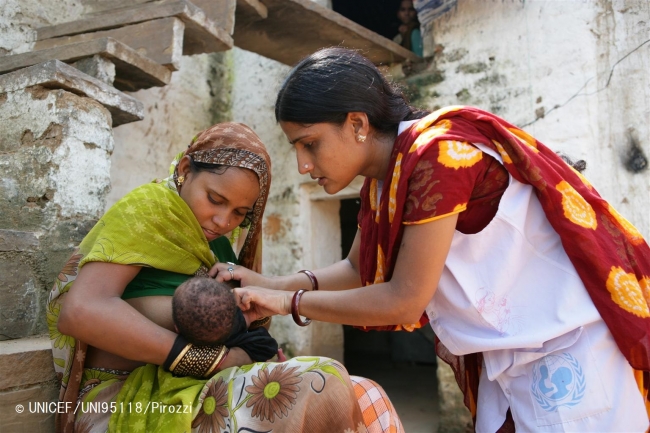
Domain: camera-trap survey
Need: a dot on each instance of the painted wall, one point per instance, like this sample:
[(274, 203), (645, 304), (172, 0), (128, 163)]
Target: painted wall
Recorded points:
[(572, 73)]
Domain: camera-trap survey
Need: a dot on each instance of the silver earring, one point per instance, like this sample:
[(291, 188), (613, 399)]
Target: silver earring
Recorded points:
[(361, 138)]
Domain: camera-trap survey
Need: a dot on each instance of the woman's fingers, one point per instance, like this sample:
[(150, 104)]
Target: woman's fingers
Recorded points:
[(223, 272), (242, 299), (215, 269), (264, 302)]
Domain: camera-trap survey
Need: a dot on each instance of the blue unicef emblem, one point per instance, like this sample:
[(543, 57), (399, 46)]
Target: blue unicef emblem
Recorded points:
[(558, 380)]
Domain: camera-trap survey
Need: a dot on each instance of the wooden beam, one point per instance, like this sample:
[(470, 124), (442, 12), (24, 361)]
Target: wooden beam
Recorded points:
[(202, 35), (57, 75), (252, 10), (221, 12), (132, 71), (296, 28), (160, 40)]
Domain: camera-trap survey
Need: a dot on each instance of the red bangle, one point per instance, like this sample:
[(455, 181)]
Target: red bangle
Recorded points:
[(225, 355), (295, 301), (312, 278)]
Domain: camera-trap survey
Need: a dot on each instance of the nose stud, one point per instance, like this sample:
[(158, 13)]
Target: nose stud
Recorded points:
[(306, 166)]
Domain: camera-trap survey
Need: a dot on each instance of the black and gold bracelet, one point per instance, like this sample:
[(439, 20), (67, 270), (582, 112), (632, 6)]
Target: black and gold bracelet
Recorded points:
[(186, 359)]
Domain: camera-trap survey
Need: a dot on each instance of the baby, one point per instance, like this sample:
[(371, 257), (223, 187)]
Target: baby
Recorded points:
[(205, 312)]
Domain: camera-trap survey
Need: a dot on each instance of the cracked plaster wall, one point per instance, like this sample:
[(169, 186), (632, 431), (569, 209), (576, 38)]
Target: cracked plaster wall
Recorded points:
[(573, 74), (54, 160), (255, 86), (20, 18), (197, 97)]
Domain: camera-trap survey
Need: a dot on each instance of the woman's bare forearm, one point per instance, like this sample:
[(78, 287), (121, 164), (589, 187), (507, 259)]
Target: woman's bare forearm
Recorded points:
[(339, 276)]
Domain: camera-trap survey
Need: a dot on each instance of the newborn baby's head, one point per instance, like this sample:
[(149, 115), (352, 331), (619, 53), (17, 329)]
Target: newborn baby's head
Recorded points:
[(204, 311)]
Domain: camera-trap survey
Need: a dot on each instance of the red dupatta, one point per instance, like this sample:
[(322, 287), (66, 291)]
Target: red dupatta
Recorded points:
[(609, 254)]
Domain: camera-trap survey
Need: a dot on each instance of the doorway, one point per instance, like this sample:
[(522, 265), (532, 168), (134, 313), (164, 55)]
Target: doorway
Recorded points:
[(403, 363)]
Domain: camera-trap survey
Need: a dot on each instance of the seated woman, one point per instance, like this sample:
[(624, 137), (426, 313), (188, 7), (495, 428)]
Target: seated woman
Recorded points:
[(110, 311)]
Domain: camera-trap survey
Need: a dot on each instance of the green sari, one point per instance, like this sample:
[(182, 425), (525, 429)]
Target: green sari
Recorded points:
[(257, 397)]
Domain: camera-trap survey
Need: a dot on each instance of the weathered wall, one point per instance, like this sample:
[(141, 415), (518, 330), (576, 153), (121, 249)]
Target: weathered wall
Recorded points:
[(197, 97), (255, 85), (54, 160), (19, 18), (573, 74), (287, 223)]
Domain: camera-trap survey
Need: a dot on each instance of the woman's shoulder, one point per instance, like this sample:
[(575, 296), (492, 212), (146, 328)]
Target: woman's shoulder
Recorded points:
[(150, 195)]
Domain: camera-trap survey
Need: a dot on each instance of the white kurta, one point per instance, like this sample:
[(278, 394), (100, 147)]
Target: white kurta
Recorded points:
[(511, 292)]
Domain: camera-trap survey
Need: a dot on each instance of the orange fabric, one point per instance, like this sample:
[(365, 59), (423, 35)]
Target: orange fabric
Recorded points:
[(437, 189), (379, 414)]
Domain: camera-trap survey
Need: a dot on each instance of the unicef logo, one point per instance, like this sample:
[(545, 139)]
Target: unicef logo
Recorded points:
[(558, 380)]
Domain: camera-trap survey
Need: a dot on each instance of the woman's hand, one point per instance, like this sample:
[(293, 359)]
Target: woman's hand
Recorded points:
[(257, 302), (246, 277)]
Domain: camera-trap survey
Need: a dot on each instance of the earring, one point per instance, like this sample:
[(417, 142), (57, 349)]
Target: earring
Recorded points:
[(180, 180), (306, 165), (361, 138)]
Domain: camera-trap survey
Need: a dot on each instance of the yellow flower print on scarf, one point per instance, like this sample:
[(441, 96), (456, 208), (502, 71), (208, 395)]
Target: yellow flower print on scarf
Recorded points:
[(392, 197), (431, 118), (576, 208), (583, 179), (627, 292), (458, 154), (502, 152), (645, 286), (525, 138), (379, 273), (459, 208), (429, 134), (631, 233), (374, 193)]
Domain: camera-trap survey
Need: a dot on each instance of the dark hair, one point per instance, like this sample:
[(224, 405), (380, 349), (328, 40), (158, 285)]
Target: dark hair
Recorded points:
[(203, 310), (196, 167), (332, 82), (579, 165)]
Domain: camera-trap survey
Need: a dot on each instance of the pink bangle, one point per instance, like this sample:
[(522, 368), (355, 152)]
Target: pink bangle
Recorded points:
[(295, 308), (312, 278)]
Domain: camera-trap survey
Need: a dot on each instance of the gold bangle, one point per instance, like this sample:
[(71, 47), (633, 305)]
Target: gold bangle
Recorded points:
[(179, 357), (197, 361), (217, 361)]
